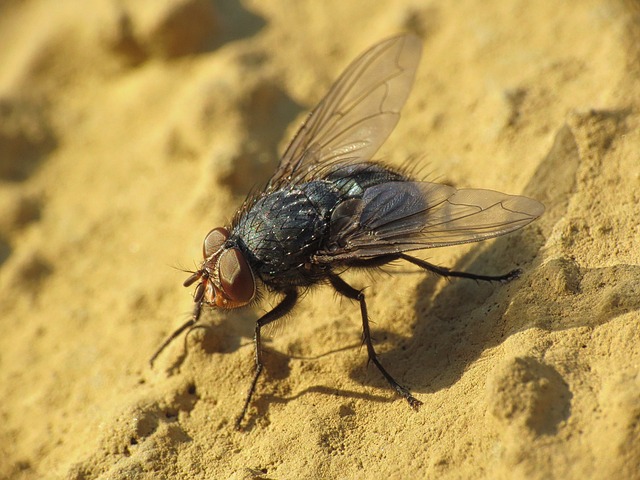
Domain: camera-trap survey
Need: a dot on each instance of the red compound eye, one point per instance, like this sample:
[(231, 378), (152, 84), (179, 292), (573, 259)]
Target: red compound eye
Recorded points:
[(214, 241), (236, 277)]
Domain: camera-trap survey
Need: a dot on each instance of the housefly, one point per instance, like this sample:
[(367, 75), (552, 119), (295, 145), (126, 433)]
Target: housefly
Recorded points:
[(329, 207)]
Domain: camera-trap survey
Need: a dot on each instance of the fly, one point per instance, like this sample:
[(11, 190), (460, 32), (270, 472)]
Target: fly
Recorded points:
[(329, 207)]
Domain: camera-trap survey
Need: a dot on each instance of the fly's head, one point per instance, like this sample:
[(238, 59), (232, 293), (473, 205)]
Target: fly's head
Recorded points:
[(226, 279)]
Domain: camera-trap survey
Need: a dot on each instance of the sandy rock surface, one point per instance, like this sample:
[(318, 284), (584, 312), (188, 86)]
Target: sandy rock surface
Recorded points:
[(129, 129)]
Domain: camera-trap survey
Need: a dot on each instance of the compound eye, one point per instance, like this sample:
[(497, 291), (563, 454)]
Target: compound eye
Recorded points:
[(214, 241), (236, 277)]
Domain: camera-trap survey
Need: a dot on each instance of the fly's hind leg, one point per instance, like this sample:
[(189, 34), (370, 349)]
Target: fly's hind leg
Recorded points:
[(348, 291), (445, 272)]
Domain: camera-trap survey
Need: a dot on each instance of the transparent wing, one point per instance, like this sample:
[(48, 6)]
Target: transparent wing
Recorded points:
[(359, 112), (396, 217)]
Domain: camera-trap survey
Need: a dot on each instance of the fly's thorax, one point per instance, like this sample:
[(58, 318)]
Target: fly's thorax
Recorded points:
[(282, 230)]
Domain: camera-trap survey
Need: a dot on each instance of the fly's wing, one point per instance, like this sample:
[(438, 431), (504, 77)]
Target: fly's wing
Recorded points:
[(359, 112), (395, 217)]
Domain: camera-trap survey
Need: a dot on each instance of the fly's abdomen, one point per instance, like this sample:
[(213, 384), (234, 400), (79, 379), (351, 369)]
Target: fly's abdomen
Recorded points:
[(351, 180), (282, 230)]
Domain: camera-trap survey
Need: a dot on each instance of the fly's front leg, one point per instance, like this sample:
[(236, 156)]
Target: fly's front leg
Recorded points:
[(348, 291), (279, 311), (195, 316)]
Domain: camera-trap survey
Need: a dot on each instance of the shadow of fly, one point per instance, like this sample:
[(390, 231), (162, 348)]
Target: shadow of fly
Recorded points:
[(329, 207)]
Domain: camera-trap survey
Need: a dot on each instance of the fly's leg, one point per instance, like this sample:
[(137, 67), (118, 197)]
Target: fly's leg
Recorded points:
[(445, 272), (348, 291), (195, 316), (279, 311)]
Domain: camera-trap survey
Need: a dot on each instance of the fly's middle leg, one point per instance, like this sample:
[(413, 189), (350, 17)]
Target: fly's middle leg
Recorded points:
[(348, 291)]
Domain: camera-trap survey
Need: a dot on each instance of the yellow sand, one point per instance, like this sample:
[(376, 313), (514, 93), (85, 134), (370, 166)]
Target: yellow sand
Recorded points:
[(129, 129)]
